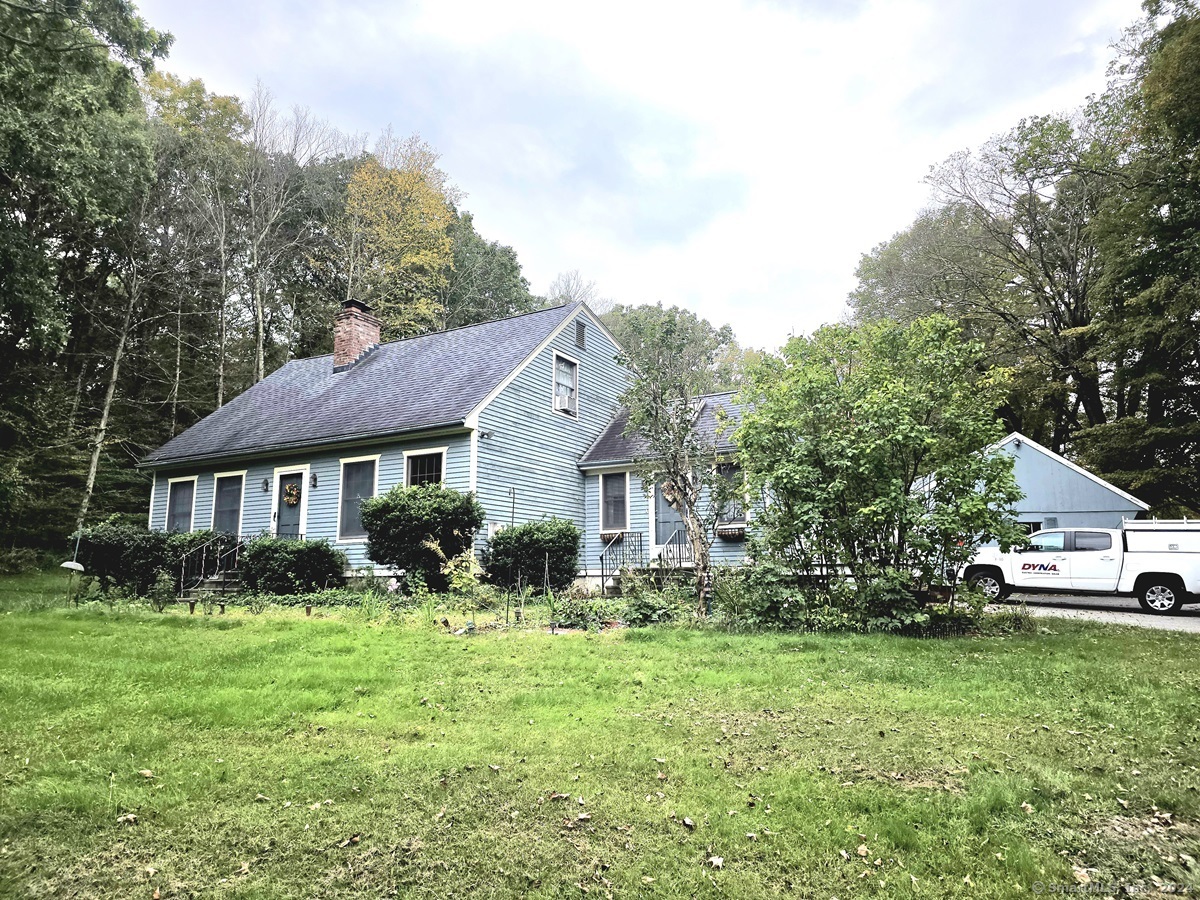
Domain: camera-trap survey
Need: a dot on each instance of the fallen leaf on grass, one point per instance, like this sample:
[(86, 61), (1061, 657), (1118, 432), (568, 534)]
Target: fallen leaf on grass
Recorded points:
[(1028, 809), (157, 895), (316, 805), (689, 824), (751, 836), (145, 773), (661, 776), (560, 796), (717, 862), (862, 850), (845, 855), (261, 798), (494, 768), (584, 817), (353, 839), (441, 814), (244, 870), (127, 819), (1124, 803)]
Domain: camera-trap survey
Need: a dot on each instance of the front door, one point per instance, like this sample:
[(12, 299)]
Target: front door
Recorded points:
[(290, 498)]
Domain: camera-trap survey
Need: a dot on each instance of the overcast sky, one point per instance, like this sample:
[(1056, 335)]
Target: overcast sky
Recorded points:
[(734, 159)]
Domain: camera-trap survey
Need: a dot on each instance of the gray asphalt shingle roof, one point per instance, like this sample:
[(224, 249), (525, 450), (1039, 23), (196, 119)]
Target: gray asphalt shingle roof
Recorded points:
[(719, 418), (422, 382)]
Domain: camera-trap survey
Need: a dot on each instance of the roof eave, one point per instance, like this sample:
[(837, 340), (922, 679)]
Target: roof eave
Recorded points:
[(366, 437)]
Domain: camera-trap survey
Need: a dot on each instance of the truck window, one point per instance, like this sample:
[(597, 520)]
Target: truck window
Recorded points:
[(1048, 542), (1092, 540)]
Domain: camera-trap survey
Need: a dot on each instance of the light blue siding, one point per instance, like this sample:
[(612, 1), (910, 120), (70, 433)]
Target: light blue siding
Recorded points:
[(528, 454), (1055, 490), (723, 551), (321, 502)]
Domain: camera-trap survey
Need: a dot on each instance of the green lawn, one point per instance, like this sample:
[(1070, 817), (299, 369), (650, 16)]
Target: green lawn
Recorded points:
[(279, 756)]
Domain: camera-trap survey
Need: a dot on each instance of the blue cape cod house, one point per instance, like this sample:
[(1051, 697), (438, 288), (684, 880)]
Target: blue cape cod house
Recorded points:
[(523, 411)]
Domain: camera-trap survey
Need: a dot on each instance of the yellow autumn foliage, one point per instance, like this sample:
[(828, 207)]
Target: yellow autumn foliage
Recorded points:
[(396, 238)]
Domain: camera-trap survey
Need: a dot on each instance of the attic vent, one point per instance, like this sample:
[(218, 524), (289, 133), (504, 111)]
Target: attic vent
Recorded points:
[(581, 335)]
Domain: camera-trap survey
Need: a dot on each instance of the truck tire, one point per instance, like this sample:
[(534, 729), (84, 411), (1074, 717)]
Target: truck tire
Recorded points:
[(990, 583), (1161, 595)]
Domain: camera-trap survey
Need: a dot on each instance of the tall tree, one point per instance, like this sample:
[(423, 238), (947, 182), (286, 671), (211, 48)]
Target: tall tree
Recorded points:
[(870, 442), (272, 192), (484, 281), (674, 354)]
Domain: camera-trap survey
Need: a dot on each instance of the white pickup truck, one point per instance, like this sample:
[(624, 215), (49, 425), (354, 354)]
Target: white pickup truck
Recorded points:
[(1158, 561)]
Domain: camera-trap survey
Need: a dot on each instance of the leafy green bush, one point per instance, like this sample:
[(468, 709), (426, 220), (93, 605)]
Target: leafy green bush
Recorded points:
[(578, 609), (520, 555), (133, 557), (124, 555), (18, 561), (418, 528), (645, 605), (283, 566)]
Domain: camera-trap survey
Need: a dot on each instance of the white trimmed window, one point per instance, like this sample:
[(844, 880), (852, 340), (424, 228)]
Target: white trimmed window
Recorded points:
[(614, 501), (734, 510), (228, 488), (181, 503), (424, 466), (566, 385), (359, 481)]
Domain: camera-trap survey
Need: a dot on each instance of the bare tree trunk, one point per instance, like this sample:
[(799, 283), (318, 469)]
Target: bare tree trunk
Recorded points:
[(178, 364), (102, 428), (260, 329), (76, 400), (221, 331)]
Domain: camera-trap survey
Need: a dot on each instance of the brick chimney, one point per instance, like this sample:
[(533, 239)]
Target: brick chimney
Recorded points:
[(355, 331)]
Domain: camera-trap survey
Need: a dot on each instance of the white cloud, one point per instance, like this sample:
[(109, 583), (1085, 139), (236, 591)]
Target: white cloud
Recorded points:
[(735, 159)]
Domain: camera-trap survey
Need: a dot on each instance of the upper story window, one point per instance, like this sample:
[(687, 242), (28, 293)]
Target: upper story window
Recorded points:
[(424, 467), (181, 502), (614, 501), (358, 483), (227, 502), (566, 385)]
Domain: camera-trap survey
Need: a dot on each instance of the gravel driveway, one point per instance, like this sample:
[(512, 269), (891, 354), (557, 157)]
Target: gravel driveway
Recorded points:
[(1114, 610)]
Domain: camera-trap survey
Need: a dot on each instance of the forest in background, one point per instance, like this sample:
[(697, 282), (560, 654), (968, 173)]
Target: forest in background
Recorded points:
[(162, 248), (1070, 245)]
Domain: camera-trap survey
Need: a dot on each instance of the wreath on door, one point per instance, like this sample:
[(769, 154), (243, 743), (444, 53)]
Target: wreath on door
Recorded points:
[(291, 494)]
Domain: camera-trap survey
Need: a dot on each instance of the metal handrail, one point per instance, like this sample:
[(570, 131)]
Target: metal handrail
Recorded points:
[(675, 554), (625, 548), (202, 562)]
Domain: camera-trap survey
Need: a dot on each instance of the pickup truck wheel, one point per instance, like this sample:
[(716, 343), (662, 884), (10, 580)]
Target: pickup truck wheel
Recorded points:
[(989, 584), (1161, 597)]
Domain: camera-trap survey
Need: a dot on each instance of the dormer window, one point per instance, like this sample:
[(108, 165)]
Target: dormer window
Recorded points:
[(566, 385)]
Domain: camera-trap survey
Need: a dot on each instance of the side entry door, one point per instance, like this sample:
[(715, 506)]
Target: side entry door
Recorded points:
[(1045, 563)]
